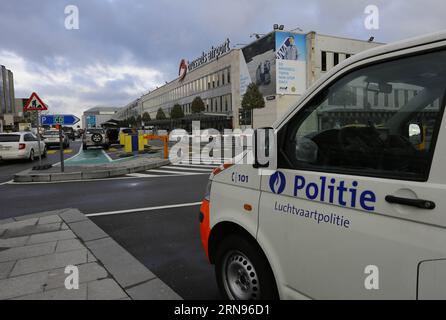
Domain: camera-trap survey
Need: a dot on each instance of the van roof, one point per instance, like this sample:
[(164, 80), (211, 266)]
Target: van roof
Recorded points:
[(374, 52)]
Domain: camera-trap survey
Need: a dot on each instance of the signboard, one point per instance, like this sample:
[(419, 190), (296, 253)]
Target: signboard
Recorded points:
[(258, 65), (212, 54), (35, 104), (276, 63), (182, 70), (62, 119), (91, 122), (291, 65)]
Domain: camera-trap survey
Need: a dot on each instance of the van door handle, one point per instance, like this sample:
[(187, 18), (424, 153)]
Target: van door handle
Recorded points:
[(419, 203)]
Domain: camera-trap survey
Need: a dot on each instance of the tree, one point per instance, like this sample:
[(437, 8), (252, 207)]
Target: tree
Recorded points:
[(146, 117), (160, 115), (138, 120), (253, 99), (131, 121), (176, 112), (197, 105)]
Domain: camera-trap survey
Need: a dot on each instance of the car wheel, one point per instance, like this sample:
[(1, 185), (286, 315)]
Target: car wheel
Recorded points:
[(45, 152), (31, 155), (243, 272), (84, 147)]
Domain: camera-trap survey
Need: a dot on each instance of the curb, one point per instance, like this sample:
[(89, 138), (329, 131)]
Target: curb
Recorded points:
[(29, 176), (138, 282)]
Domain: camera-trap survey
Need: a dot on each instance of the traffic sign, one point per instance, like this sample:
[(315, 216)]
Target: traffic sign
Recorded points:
[(62, 119), (35, 104)]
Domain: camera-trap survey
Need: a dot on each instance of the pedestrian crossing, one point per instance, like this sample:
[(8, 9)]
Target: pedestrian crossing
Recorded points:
[(176, 169)]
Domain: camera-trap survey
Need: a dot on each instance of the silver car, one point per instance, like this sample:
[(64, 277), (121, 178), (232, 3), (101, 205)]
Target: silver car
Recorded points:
[(95, 138)]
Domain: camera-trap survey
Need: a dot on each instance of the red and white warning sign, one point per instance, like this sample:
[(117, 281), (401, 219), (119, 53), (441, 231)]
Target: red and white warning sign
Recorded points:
[(35, 104)]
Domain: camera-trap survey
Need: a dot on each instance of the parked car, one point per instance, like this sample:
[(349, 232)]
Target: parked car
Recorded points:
[(20, 145), (95, 138), (51, 138), (69, 132)]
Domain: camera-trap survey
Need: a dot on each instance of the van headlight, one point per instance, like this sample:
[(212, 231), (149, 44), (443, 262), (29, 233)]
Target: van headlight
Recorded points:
[(207, 194)]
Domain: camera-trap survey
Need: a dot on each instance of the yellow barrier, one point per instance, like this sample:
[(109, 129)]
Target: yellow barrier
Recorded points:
[(122, 138), (128, 143)]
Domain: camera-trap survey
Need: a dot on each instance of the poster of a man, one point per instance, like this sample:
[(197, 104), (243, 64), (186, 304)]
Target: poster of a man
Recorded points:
[(291, 52)]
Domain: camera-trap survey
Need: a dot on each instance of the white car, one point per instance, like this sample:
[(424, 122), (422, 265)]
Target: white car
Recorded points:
[(20, 145), (354, 203)]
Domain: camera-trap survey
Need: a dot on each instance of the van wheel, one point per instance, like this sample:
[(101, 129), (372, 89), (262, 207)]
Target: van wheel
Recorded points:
[(45, 152), (243, 272)]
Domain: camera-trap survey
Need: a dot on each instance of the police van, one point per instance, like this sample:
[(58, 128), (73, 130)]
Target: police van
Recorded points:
[(356, 206)]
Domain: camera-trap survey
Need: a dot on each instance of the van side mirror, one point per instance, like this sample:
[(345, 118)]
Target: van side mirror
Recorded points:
[(265, 155)]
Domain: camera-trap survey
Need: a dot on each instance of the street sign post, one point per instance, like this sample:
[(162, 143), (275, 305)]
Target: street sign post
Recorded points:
[(60, 120), (36, 104)]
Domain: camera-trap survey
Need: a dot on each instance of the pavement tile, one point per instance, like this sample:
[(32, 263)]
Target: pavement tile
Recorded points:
[(13, 242), (153, 290), (87, 272), (122, 265), (72, 215), (59, 294), (18, 253), (68, 245), (87, 230), (31, 229), (106, 289), (51, 236), (91, 257), (19, 224), (23, 285), (41, 214), (48, 262), (5, 269), (50, 219)]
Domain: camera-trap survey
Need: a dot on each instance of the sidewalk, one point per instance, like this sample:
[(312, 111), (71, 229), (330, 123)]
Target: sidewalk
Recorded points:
[(36, 249)]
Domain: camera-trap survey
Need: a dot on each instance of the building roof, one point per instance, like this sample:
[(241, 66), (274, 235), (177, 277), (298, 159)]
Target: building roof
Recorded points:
[(104, 109)]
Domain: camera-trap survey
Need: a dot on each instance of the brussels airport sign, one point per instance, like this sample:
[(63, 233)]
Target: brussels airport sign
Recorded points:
[(212, 54)]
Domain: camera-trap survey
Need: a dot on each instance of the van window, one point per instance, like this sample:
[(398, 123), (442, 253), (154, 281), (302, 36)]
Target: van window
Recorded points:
[(381, 120)]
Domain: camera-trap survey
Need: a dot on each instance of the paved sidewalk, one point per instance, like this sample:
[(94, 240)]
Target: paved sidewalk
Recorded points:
[(36, 249)]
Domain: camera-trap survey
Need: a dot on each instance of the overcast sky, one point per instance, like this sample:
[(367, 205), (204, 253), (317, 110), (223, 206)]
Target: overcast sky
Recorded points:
[(124, 48)]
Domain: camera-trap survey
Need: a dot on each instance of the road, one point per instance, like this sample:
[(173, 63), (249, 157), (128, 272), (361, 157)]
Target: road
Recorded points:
[(165, 240), (9, 168)]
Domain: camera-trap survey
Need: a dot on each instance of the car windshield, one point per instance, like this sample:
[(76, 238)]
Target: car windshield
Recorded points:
[(9, 138)]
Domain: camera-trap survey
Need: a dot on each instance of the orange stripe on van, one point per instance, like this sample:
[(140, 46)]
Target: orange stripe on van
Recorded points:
[(205, 229)]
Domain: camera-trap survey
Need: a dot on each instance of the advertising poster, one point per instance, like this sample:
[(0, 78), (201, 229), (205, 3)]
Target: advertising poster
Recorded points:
[(291, 54), (258, 65)]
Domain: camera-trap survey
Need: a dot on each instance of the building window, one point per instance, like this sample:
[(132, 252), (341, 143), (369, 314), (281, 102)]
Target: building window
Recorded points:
[(324, 61), (335, 59), (229, 75)]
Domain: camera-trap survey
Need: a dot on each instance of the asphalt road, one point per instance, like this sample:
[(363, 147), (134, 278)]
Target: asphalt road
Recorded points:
[(166, 241), (9, 168)]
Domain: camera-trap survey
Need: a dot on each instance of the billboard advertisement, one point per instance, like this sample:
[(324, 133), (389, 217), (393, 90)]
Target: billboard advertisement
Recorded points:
[(291, 64), (258, 65)]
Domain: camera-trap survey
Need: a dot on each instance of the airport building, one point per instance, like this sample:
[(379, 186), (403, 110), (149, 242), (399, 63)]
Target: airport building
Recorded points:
[(282, 64), (8, 115), (95, 117)]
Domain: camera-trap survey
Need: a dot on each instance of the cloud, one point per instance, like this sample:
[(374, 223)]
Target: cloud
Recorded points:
[(126, 47)]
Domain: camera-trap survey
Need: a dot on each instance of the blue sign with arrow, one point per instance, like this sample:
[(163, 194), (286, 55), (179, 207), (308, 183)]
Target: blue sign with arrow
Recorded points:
[(62, 119)]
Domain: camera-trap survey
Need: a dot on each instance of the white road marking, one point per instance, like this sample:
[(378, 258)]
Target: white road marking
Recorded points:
[(175, 172), (187, 169), (107, 156), (142, 175), (194, 165), (6, 182), (181, 205)]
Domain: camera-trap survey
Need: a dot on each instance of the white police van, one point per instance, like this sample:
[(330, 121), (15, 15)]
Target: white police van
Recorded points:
[(356, 208)]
